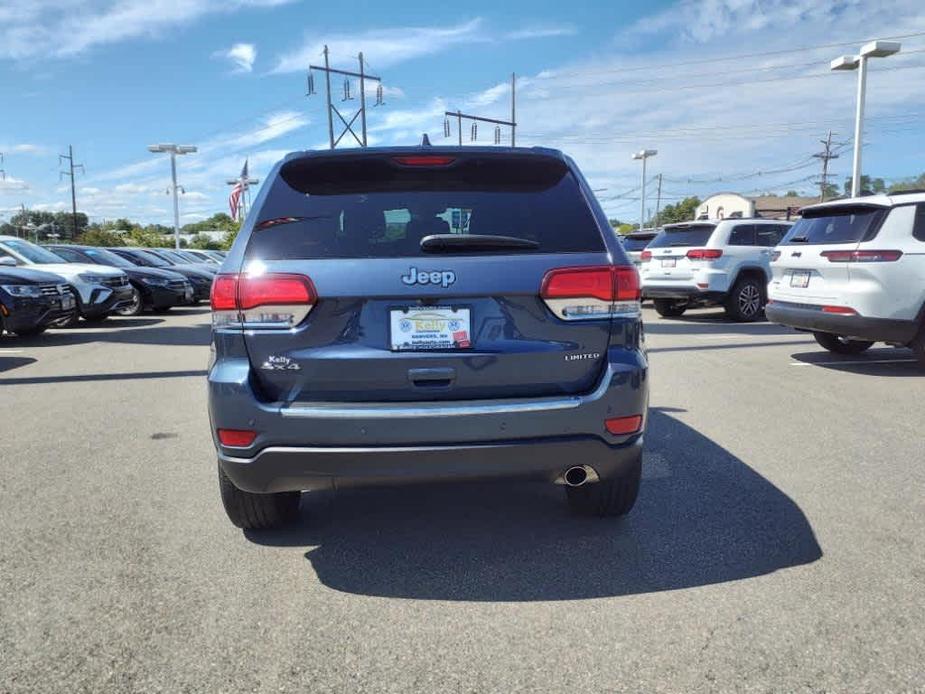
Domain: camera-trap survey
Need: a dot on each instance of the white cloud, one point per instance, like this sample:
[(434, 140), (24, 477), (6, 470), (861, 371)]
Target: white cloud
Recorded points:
[(10, 184), (61, 28), (541, 31), (385, 47), (24, 148), (242, 55)]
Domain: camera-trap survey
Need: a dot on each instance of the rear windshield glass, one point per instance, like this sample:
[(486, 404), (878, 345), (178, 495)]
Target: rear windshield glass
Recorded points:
[(848, 225), (693, 235), (636, 244), (369, 207)]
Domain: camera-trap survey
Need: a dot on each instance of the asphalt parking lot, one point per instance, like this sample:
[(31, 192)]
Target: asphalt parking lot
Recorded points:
[(778, 543)]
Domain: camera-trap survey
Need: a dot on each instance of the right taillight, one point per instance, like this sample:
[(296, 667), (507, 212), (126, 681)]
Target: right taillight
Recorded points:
[(862, 256), (261, 300), (587, 293), (704, 254)]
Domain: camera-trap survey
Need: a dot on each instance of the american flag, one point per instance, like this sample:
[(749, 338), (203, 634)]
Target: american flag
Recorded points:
[(237, 191)]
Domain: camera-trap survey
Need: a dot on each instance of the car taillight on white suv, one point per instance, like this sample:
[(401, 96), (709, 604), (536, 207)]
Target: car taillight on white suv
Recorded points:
[(586, 293), (279, 301)]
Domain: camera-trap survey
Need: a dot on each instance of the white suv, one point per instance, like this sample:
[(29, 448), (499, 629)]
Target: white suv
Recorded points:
[(853, 273), (724, 262), (99, 289)]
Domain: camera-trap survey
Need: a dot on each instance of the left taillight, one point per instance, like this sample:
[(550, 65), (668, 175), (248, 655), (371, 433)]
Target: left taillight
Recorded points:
[(261, 301), (587, 293)]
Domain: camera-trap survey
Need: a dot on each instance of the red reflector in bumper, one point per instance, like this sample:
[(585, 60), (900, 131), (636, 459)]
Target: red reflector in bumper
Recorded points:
[(842, 310), (237, 438), (624, 425)]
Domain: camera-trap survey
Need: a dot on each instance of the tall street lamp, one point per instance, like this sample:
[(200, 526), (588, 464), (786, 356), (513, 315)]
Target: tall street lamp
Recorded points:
[(644, 154), (173, 150), (874, 49)]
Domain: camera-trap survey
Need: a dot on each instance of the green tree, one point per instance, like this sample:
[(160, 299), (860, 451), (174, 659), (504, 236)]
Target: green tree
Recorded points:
[(217, 222), (100, 237), (831, 191), (203, 242), (913, 184), (683, 211), (876, 185), (792, 194)]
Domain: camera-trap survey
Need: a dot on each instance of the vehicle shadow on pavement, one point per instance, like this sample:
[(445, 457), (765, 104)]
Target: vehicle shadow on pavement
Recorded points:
[(10, 363), (703, 517), (707, 323), (875, 362), (149, 332)]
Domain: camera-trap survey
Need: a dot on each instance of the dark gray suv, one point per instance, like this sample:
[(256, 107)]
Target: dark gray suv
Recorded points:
[(421, 314)]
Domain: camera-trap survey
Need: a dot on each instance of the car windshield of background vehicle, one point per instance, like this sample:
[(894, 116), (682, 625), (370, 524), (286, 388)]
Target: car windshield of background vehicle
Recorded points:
[(33, 253), (105, 257), (692, 235), (368, 208), (153, 259), (847, 225), (632, 244)]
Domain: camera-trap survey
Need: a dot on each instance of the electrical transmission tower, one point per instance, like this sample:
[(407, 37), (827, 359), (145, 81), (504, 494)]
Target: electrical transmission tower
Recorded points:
[(474, 132), (363, 76), (70, 173), (825, 156)]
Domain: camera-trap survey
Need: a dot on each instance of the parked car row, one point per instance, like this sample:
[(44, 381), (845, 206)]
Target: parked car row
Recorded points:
[(55, 286), (851, 272)]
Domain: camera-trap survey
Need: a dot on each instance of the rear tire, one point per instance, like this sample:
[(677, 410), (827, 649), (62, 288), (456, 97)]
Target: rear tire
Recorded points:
[(841, 345), (607, 498), (669, 308), (746, 301), (250, 511)]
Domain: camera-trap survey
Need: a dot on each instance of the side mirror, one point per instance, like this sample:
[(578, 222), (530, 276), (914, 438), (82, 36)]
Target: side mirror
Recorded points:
[(7, 261)]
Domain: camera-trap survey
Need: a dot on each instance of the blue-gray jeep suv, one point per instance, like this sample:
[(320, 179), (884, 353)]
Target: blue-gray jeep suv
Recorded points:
[(419, 314)]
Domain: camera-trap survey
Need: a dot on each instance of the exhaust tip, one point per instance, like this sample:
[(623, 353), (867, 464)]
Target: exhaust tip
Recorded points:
[(577, 475)]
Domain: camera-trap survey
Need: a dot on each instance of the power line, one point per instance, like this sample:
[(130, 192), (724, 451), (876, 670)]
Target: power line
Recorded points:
[(720, 59), (332, 110)]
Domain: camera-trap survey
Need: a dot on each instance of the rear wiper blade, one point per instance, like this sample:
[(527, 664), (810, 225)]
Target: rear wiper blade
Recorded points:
[(799, 239), (436, 243)]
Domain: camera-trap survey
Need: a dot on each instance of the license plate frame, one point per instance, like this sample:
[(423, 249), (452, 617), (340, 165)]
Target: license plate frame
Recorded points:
[(799, 279), (430, 328)]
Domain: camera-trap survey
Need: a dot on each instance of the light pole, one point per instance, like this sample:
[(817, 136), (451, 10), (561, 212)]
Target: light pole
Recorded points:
[(173, 150), (644, 154), (874, 49)]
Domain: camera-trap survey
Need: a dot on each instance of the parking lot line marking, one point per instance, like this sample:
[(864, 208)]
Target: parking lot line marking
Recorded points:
[(10, 351), (848, 363), (738, 336)]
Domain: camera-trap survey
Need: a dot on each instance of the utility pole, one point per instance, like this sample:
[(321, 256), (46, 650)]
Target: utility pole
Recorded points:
[(825, 157), (70, 172), (2, 172), (658, 201), (362, 76), (459, 116)]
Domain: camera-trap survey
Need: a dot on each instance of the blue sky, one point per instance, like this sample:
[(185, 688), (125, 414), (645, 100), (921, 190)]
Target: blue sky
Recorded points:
[(723, 88)]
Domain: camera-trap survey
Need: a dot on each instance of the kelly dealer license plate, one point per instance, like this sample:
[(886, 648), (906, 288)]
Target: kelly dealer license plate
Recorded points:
[(429, 327)]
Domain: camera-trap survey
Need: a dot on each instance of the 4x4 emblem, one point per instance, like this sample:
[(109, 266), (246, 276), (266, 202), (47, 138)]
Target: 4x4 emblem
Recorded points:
[(442, 277)]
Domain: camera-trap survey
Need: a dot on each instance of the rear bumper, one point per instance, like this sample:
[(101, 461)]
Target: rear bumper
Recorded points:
[(811, 318), (689, 292), (313, 445), (290, 468)]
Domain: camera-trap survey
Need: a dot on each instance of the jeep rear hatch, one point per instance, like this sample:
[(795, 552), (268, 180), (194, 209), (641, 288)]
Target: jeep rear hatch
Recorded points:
[(419, 277)]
